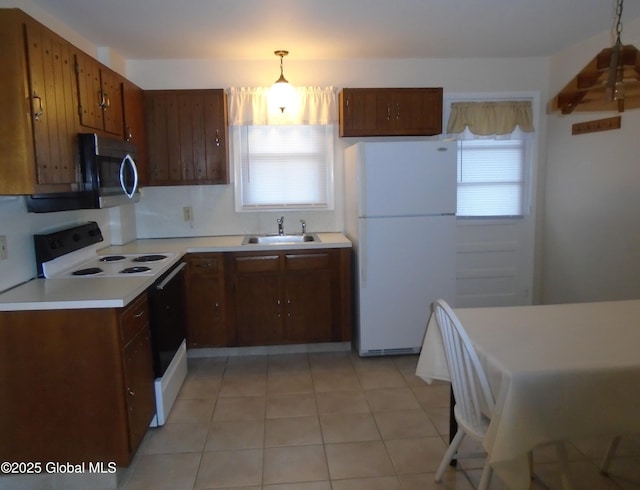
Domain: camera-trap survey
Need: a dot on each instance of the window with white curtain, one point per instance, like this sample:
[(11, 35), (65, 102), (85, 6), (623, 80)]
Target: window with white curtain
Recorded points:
[(494, 157), (283, 160)]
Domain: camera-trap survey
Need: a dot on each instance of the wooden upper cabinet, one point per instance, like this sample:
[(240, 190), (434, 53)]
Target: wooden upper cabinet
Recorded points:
[(99, 96), (187, 136), (38, 123), (390, 111)]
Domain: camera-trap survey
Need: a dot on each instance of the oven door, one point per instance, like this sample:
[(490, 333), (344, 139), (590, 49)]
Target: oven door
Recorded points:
[(167, 319)]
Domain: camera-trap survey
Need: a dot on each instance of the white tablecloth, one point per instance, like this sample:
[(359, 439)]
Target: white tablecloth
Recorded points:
[(557, 372)]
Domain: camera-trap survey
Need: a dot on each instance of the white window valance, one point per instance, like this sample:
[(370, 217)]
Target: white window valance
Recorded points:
[(490, 118), (314, 105)]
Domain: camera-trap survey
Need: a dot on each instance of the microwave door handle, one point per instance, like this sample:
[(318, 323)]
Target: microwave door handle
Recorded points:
[(127, 158)]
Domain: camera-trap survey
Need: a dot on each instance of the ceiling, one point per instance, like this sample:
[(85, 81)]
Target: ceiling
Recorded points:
[(337, 29)]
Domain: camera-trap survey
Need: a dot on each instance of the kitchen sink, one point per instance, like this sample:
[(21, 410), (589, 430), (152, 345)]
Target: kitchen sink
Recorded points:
[(279, 239)]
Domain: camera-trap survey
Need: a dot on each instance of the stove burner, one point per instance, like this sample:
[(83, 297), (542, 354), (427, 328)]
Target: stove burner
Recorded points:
[(90, 271), (135, 270), (149, 258), (112, 258)]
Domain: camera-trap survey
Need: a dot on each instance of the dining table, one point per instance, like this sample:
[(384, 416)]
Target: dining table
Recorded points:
[(557, 372)]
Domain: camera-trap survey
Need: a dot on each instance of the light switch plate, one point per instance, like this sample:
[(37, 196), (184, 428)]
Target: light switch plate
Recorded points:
[(4, 252)]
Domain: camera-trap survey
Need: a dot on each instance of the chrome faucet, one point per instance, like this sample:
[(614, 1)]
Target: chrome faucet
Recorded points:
[(280, 225), (304, 226)]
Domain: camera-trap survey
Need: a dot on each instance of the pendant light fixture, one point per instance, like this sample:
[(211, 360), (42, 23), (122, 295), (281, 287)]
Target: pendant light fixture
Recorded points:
[(609, 82), (282, 93)]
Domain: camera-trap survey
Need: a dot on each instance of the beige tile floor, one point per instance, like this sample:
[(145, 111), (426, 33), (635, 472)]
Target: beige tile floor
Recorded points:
[(327, 421)]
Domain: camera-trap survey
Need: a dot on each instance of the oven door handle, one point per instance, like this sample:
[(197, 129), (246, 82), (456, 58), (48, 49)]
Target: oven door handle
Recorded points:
[(128, 160), (173, 273)]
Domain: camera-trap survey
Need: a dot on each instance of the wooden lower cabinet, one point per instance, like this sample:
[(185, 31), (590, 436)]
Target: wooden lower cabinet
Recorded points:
[(291, 297), (268, 298), (76, 385)]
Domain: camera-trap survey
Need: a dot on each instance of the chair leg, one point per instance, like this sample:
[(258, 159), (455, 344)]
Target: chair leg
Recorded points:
[(613, 446), (564, 464), (485, 479), (451, 452)]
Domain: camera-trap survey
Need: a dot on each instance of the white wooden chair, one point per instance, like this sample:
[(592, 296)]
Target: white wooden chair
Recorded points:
[(473, 396)]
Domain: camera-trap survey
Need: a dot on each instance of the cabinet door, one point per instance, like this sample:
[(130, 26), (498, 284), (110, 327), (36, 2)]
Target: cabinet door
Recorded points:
[(139, 379), (89, 92), (417, 111), (113, 118), (53, 103), (206, 308), (137, 367), (134, 127), (258, 302), (187, 136), (99, 95), (358, 109), (307, 297)]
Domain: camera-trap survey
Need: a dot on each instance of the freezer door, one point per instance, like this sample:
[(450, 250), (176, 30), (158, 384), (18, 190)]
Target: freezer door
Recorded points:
[(404, 264), (407, 178)]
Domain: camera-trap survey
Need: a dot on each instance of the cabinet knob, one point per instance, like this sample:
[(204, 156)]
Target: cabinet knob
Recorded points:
[(217, 137), (131, 393)]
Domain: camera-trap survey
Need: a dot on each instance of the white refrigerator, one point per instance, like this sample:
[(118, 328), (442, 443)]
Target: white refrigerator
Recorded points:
[(400, 205)]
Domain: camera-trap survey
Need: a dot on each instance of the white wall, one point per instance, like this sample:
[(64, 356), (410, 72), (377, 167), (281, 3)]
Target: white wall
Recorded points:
[(592, 218)]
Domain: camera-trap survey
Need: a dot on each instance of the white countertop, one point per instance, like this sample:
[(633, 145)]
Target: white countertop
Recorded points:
[(116, 292)]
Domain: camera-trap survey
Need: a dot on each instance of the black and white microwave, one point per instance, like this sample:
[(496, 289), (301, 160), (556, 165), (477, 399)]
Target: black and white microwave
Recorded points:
[(109, 177)]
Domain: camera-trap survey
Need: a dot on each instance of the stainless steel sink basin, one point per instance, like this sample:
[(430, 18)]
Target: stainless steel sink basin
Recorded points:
[(279, 239)]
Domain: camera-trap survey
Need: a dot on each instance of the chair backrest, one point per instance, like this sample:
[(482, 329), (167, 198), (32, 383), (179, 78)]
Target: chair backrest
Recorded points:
[(468, 379)]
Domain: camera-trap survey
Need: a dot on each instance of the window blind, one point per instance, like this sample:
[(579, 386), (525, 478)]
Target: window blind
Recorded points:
[(491, 177), (286, 166)]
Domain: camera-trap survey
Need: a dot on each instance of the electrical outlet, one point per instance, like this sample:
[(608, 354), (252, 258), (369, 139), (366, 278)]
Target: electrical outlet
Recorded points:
[(187, 213), (4, 252)]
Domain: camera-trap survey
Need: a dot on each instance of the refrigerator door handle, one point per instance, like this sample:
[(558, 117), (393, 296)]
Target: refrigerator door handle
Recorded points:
[(362, 245), (362, 188)]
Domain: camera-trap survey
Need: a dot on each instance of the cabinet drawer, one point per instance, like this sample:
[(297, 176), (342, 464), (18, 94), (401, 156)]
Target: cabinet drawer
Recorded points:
[(257, 263), (205, 264), (296, 262), (135, 317)]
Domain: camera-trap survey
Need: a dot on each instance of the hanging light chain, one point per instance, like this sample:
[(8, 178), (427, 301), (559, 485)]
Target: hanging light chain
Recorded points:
[(619, 20)]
